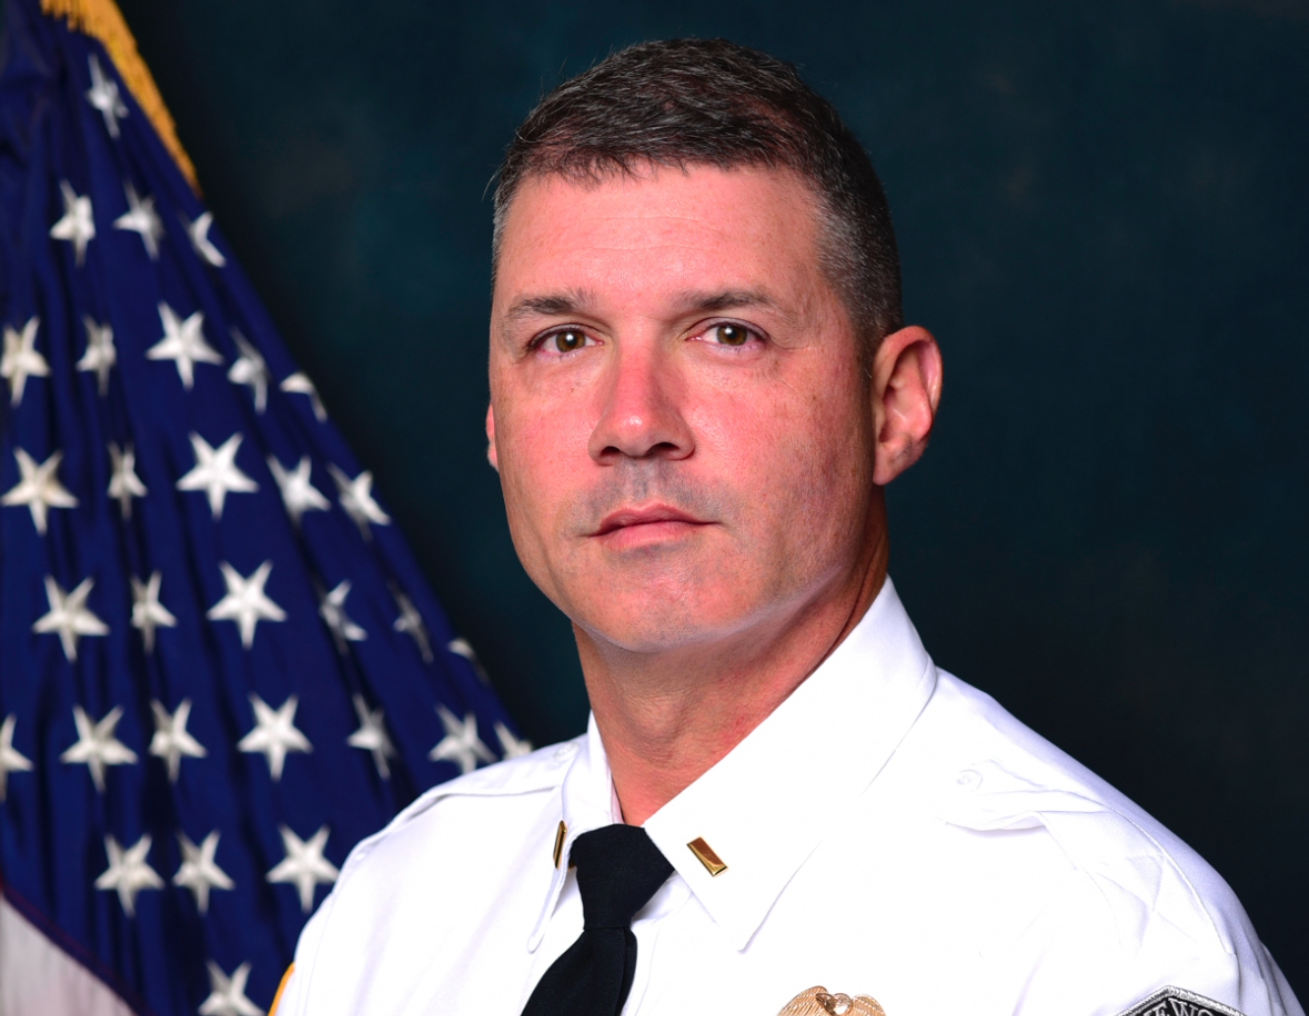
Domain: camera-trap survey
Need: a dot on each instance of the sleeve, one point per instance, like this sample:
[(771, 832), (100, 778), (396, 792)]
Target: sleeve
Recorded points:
[(292, 997)]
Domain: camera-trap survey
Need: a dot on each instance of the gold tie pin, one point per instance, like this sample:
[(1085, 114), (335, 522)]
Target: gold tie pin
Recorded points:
[(819, 1001)]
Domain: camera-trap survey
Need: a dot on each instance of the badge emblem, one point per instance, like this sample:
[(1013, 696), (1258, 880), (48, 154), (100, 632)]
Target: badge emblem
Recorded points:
[(818, 1001), (1170, 1001)]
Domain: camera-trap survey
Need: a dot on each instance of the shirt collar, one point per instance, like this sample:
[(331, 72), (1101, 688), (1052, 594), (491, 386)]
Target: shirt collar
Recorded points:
[(766, 806)]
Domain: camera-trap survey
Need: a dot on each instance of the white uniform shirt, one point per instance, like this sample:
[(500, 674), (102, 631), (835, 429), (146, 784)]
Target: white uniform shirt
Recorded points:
[(887, 831)]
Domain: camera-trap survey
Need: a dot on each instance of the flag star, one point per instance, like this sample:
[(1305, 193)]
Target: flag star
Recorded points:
[(171, 740), (198, 231), (275, 733), (227, 994), (371, 736), (21, 360), (103, 95), (304, 865), (298, 492), (184, 343), (38, 488), (412, 622), (199, 872), (356, 498), (299, 384), (100, 355), (96, 745), (460, 647), (124, 484), (332, 610), (13, 762), (142, 218), (128, 872), (250, 369), (513, 747), (216, 472), (148, 613), (461, 745), (78, 225), (69, 616), (246, 602)]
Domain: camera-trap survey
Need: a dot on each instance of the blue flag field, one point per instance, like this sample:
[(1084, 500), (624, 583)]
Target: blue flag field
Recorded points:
[(220, 666)]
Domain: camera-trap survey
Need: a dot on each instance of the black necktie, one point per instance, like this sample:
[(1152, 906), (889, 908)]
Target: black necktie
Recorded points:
[(618, 869)]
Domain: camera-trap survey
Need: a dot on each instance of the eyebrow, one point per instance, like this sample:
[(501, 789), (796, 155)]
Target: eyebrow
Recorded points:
[(693, 301), (551, 304)]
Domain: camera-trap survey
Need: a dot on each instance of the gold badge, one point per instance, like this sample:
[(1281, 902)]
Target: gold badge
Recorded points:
[(820, 1002)]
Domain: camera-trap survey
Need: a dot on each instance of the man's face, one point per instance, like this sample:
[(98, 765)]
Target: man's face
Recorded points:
[(679, 414)]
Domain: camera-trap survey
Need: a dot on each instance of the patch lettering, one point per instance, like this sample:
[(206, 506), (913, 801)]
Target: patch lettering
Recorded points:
[(1170, 1001)]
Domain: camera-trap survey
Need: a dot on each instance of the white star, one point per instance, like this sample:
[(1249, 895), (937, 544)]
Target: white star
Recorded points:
[(128, 873), (21, 360), (513, 746), (371, 736), (332, 610), (171, 740), (198, 231), (12, 762), (124, 484), (216, 472), (461, 744), (147, 612), (199, 872), (298, 492), (356, 498), (96, 746), (184, 343), (78, 225), (462, 648), (250, 369), (245, 602), (412, 622), (38, 487), (100, 355), (300, 384), (227, 994), (275, 733), (104, 96), (68, 615), (304, 865), (142, 218)]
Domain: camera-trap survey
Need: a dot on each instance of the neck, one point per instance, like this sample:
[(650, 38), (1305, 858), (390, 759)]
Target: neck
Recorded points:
[(667, 717)]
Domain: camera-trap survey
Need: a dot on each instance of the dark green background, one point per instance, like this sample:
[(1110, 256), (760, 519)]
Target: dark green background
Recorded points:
[(1103, 215)]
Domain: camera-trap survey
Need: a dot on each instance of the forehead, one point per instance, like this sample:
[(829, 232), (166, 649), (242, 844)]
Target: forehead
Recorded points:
[(701, 229)]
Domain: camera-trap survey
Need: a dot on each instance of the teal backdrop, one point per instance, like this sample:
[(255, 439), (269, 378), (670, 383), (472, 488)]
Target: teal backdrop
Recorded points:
[(1103, 215)]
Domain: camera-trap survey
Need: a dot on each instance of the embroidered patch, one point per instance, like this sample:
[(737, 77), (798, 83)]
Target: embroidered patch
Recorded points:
[(1172, 1001)]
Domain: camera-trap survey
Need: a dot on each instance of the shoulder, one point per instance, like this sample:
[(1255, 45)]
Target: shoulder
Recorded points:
[(501, 794), (422, 888), (1010, 778), (1135, 899)]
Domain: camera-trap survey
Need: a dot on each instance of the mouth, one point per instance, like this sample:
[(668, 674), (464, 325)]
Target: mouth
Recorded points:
[(654, 521)]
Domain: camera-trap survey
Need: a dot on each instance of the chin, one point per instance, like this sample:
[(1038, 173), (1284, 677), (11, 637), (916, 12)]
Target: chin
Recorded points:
[(646, 623)]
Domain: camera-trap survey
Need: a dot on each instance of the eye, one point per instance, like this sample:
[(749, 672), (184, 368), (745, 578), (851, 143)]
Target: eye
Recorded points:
[(564, 340), (728, 333)]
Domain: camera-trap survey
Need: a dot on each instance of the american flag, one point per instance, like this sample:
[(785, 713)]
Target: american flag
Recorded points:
[(219, 664)]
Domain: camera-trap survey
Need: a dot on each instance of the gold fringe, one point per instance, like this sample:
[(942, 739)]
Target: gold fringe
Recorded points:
[(102, 20)]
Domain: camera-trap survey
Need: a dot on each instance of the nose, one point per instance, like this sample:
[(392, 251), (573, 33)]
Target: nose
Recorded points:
[(642, 414)]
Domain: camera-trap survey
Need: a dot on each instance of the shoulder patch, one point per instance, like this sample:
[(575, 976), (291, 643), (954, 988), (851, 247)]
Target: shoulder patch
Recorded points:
[(1170, 1001)]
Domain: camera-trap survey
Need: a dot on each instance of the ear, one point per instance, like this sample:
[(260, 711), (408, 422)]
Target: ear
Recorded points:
[(491, 455), (906, 390)]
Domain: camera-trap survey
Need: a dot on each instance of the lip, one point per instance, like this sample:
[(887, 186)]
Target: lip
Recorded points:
[(652, 515)]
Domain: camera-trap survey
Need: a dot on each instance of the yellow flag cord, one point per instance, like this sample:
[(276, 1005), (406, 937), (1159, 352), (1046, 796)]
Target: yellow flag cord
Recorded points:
[(102, 20)]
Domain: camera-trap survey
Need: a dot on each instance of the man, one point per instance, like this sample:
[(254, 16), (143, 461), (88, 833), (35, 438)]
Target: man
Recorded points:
[(700, 384)]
